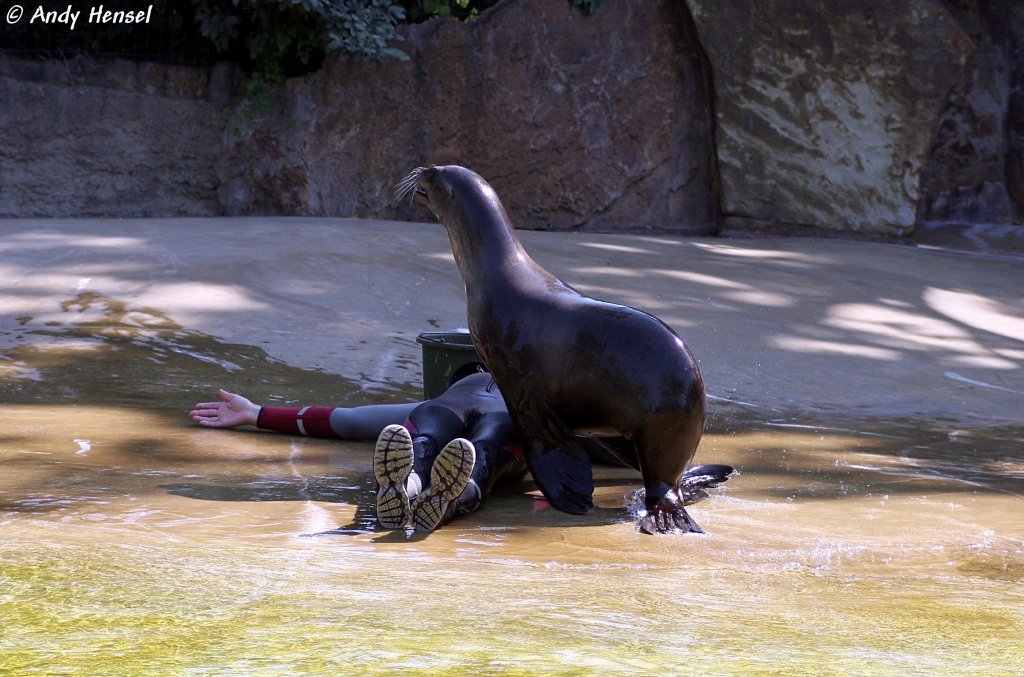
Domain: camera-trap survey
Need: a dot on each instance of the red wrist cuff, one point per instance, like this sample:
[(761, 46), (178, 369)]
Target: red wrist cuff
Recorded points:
[(308, 421)]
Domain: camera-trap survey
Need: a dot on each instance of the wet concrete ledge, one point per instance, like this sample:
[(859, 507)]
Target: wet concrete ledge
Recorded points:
[(815, 329)]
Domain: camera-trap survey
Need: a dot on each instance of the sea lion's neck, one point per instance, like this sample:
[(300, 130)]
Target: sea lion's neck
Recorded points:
[(490, 257)]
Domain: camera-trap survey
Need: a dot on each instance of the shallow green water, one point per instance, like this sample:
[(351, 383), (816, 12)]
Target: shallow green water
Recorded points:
[(136, 543), (129, 610)]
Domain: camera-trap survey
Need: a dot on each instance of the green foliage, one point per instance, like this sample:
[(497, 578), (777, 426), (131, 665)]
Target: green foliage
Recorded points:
[(588, 6), (443, 8), (362, 27), (421, 10), (276, 39)]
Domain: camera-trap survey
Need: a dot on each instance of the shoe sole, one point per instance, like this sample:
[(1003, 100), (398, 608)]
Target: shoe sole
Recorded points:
[(448, 477), (392, 463)]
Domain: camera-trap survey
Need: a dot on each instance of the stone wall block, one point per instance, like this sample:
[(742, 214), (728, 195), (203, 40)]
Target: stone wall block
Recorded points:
[(579, 121), (973, 167), (825, 111), (95, 138)]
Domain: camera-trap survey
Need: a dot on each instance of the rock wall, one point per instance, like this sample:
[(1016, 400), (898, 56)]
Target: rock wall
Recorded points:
[(578, 121), (825, 111), (975, 172), (691, 116), (82, 138)]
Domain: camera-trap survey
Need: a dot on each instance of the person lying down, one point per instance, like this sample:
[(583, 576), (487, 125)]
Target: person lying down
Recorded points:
[(433, 460)]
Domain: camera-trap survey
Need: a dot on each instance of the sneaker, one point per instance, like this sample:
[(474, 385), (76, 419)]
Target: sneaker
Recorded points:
[(392, 463), (448, 477)]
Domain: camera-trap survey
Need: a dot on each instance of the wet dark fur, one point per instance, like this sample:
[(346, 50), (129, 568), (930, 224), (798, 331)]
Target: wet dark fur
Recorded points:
[(582, 378)]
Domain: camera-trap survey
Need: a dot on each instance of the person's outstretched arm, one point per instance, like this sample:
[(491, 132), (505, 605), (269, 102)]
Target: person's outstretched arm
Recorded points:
[(350, 423)]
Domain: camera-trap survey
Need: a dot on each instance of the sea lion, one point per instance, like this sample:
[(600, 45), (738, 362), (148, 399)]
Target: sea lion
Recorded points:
[(571, 366)]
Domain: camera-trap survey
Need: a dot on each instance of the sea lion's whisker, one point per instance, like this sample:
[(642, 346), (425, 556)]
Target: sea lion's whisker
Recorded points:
[(407, 186)]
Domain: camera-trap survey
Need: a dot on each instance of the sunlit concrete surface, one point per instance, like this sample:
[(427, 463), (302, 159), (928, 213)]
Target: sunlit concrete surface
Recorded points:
[(828, 327)]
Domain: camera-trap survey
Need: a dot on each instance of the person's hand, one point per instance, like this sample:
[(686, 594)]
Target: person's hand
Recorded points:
[(232, 410)]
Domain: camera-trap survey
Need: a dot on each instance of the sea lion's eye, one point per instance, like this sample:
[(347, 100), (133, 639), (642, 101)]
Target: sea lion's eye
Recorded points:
[(451, 191)]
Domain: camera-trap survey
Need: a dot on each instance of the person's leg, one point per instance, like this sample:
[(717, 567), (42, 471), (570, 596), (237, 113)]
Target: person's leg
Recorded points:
[(472, 407), (453, 414), (449, 476), (467, 470), (499, 459), (432, 426), (403, 458)]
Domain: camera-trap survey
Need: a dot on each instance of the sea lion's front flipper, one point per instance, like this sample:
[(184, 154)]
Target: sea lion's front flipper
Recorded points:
[(558, 461), (668, 516), (668, 513), (562, 471)]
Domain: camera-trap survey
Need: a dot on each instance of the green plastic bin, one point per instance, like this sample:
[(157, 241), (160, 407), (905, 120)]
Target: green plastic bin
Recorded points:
[(447, 357)]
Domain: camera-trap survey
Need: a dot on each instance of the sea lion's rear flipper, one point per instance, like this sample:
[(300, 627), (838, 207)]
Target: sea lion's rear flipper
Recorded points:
[(700, 477), (562, 471)]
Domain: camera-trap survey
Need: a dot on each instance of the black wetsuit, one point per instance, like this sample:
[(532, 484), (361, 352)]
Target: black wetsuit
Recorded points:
[(472, 408)]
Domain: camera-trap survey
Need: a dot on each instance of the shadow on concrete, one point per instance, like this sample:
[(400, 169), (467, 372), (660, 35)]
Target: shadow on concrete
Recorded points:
[(826, 333)]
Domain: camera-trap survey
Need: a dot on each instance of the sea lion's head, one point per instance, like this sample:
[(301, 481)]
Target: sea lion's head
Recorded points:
[(477, 224), (456, 195)]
